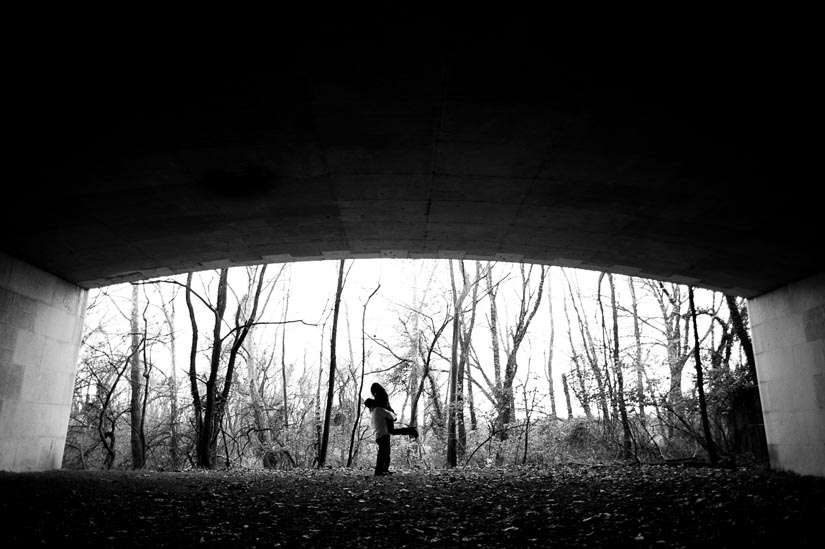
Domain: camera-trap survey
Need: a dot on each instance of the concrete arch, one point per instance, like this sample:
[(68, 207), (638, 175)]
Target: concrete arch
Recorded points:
[(410, 138)]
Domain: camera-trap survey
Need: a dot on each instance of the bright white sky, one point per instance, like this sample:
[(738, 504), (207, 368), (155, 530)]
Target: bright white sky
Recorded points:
[(312, 290)]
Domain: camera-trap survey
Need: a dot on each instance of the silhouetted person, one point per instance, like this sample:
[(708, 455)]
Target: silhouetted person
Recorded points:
[(381, 421), (382, 399), (383, 425)]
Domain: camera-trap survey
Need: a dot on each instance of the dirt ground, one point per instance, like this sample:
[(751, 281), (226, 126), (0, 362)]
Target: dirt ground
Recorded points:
[(564, 506)]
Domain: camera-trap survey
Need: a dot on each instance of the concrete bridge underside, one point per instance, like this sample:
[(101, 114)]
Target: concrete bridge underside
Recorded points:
[(382, 140)]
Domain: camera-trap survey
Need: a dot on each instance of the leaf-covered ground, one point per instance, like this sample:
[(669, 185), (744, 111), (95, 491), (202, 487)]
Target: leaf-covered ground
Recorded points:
[(566, 506)]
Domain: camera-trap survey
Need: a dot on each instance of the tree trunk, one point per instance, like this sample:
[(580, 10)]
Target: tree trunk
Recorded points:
[(566, 389), (466, 335), (137, 379), (197, 401), (584, 397), (358, 405), (551, 338), (455, 410), (506, 410), (322, 454), (492, 291), (210, 409), (438, 414), (676, 357), (283, 362), (471, 400), (256, 401), (426, 375), (637, 337), (169, 315), (207, 449), (590, 354), (627, 436), (738, 317), (703, 409)]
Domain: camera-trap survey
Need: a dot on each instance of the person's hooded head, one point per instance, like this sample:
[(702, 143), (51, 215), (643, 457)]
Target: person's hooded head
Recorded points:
[(380, 395)]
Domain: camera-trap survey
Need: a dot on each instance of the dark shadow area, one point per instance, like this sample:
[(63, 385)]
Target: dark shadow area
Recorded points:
[(562, 506)]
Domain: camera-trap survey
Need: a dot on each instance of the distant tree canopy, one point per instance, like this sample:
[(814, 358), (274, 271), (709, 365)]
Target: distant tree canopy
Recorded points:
[(267, 366)]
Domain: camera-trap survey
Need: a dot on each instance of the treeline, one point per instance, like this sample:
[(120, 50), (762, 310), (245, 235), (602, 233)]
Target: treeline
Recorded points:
[(494, 363)]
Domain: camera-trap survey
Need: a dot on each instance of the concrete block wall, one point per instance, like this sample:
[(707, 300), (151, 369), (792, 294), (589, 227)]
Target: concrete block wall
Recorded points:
[(788, 327), (41, 324)]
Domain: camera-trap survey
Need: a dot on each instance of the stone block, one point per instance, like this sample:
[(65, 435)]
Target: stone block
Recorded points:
[(6, 267), (70, 298), (6, 298), (24, 304), (803, 459), (36, 386), (784, 332), (12, 414), (77, 336), (49, 420), (8, 337), (774, 364), (769, 307), (11, 380), (8, 453), (44, 386), (25, 320), (807, 293), (60, 356), (794, 427), (37, 454), (17, 318), (55, 323), (808, 358), (8, 317), (814, 323), (29, 349), (32, 282), (788, 393), (819, 391)]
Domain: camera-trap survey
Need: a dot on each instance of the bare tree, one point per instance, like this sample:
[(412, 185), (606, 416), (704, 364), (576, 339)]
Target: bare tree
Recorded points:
[(617, 369), (528, 305), (426, 352), (550, 340), (676, 330), (138, 438), (637, 360), (703, 408), (322, 454), (739, 318), (210, 409), (357, 421), (283, 357), (256, 398), (677, 344), (168, 308), (583, 394), (455, 408), (590, 353), (566, 389)]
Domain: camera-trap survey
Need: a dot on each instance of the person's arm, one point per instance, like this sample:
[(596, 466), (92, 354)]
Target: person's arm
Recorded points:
[(390, 421)]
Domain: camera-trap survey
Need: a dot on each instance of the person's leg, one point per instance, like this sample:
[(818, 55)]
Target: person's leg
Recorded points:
[(409, 431), (382, 460), (386, 465)]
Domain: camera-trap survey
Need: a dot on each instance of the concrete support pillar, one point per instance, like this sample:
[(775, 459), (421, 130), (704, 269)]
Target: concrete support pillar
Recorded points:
[(788, 327), (41, 324)]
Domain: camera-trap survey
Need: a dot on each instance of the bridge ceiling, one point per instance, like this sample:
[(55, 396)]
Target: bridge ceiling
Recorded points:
[(382, 140)]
